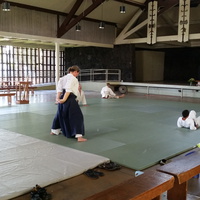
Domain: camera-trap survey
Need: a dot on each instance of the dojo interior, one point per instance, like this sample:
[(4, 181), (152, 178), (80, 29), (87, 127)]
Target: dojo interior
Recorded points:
[(149, 52)]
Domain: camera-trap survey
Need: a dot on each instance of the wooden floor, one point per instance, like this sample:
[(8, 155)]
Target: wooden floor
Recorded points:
[(80, 187)]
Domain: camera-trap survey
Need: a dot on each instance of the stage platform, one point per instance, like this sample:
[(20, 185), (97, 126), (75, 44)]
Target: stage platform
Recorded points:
[(175, 89)]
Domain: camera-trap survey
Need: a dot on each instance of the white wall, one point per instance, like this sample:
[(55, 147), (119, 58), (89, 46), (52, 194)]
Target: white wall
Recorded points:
[(93, 86)]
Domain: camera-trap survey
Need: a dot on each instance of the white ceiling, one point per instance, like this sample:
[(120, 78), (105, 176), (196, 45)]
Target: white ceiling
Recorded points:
[(108, 10), (167, 21)]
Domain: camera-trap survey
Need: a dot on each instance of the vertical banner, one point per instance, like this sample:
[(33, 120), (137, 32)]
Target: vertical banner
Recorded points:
[(152, 22), (184, 20)]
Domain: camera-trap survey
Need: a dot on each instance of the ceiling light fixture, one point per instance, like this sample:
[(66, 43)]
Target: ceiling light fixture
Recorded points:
[(6, 6), (101, 24), (122, 9), (78, 27)]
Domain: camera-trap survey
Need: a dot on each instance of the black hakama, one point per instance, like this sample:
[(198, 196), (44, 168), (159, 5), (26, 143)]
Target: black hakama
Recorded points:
[(70, 117)]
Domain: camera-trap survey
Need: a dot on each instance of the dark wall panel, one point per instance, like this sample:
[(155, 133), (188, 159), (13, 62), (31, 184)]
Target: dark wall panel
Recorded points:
[(120, 57), (182, 64)]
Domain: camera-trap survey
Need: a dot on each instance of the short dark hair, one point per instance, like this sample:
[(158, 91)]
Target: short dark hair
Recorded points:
[(185, 113), (73, 68), (108, 84)]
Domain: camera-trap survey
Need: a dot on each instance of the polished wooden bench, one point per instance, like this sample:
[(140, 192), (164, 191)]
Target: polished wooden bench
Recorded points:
[(147, 186), (182, 169), (9, 88), (32, 89), (9, 95)]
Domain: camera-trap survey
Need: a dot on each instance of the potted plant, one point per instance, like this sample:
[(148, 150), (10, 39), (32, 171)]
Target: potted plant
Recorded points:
[(191, 81)]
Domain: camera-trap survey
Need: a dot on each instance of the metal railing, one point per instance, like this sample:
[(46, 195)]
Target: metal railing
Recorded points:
[(100, 75)]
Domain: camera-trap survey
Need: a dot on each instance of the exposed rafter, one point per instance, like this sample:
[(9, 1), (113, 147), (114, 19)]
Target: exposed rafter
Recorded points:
[(67, 25), (72, 19), (29, 7), (135, 31), (124, 33), (87, 11), (163, 6), (69, 17), (168, 21)]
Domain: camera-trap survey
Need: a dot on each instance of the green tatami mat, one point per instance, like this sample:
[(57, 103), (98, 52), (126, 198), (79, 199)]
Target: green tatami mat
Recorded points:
[(134, 132)]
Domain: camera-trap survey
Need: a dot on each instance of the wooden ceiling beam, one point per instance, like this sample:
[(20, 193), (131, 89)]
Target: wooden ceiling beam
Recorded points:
[(48, 11), (87, 11), (166, 5), (163, 5), (69, 16)]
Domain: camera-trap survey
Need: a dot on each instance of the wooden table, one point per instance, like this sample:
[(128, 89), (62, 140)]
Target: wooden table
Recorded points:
[(182, 169)]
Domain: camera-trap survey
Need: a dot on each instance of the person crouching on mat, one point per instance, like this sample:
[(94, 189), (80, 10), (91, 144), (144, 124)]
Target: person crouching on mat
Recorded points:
[(107, 93)]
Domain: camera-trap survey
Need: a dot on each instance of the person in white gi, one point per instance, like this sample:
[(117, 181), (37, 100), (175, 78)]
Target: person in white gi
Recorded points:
[(69, 117), (107, 93), (188, 120), (81, 96)]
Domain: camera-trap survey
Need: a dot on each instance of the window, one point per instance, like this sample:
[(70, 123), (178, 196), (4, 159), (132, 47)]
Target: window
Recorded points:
[(33, 64)]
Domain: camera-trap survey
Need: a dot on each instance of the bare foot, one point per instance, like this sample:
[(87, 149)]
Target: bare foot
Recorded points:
[(81, 139), (54, 133)]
